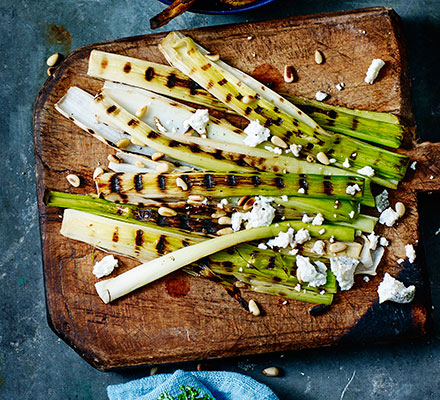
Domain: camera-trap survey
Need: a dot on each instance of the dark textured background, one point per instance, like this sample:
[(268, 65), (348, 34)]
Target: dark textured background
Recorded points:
[(34, 363)]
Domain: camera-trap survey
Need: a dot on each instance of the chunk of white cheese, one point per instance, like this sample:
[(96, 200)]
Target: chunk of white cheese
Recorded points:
[(319, 247), (276, 150), (105, 266), (343, 268), (388, 217), (262, 246), (256, 134), (352, 189), (366, 171), (314, 275), (413, 165), (306, 219), (284, 198), (340, 86), (373, 70), (410, 253), (262, 214), (302, 236), (295, 149), (383, 242), (373, 239), (197, 121), (318, 220), (382, 202), (346, 163), (283, 239), (390, 289), (321, 96)]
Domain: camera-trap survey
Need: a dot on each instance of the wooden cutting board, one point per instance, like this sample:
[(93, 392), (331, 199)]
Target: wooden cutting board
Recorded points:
[(182, 318)]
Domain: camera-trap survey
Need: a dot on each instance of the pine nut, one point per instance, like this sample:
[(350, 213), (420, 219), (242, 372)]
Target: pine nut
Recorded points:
[(322, 158), (240, 284), (123, 143), (213, 56), (248, 99), (50, 71), (271, 371), (218, 214), (225, 231), (288, 74), (166, 212), (73, 180), (242, 201), (162, 168), (98, 171), (249, 204), (319, 58), (253, 308), (337, 247), (181, 183), (157, 156), (400, 209), (277, 141), (224, 221), (136, 142), (194, 203), (139, 164), (196, 197), (112, 158), (53, 59), (141, 112), (310, 158)]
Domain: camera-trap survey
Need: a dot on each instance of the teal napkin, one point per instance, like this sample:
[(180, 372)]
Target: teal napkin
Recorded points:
[(218, 384)]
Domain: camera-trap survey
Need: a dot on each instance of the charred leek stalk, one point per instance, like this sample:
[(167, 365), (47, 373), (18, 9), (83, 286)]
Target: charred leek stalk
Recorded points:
[(219, 185), (292, 127)]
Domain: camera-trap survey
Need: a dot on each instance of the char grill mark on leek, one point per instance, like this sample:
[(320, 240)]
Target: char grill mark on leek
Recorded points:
[(181, 52), (120, 186)]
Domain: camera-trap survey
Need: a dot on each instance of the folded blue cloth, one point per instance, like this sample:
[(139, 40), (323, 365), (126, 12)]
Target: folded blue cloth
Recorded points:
[(218, 384)]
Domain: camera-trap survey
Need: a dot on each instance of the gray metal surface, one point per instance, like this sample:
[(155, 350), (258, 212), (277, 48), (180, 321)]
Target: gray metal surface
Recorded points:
[(34, 363)]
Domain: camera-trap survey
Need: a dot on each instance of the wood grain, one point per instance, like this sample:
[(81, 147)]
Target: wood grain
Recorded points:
[(181, 318)]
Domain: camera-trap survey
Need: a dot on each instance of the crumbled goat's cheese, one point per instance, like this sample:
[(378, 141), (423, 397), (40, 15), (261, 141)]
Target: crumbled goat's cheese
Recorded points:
[(223, 202), (295, 149), (437, 232), (293, 252), (319, 247), (302, 236), (366, 279), (351, 214), (321, 96), (431, 177), (332, 160), (262, 246), (301, 190), (197, 121), (306, 219), (383, 242), (105, 266), (297, 287), (322, 231), (410, 253), (413, 165), (388, 217), (343, 268), (314, 275), (382, 202), (276, 150), (284, 197), (318, 220), (352, 189), (390, 289), (373, 239), (366, 171), (256, 134), (373, 70), (283, 239), (346, 163), (340, 86), (400, 261), (262, 214)]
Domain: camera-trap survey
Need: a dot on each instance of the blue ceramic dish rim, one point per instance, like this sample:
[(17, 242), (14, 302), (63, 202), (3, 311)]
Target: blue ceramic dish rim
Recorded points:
[(248, 7)]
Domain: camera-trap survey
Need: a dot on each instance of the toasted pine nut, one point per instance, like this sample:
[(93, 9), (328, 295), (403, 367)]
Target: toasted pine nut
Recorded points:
[(141, 112), (400, 209), (112, 158), (310, 158), (162, 167), (288, 74), (139, 164), (253, 308), (196, 197), (242, 201), (322, 158), (337, 247), (271, 371), (249, 204), (181, 183), (240, 284), (166, 212), (225, 231), (224, 221), (73, 180), (53, 59), (157, 156), (319, 58), (277, 141), (213, 56), (137, 142), (123, 143), (50, 71), (98, 171), (218, 214)]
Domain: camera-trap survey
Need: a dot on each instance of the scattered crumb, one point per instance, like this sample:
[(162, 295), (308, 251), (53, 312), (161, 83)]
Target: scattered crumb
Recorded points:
[(413, 165), (366, 279), (431, 177), (250, 37), (321, 96), (400, 261), (437, 231), (340, 86)]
